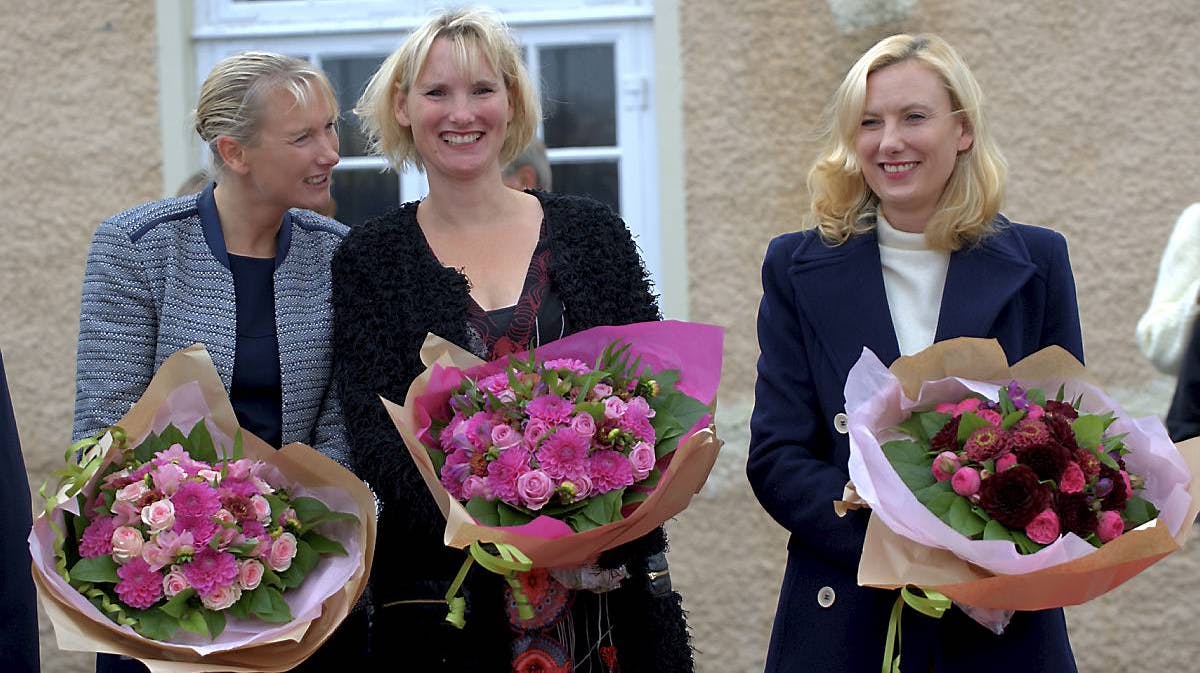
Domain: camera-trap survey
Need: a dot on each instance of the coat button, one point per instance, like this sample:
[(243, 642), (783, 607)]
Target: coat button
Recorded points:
[(841, 423), (826, 597)]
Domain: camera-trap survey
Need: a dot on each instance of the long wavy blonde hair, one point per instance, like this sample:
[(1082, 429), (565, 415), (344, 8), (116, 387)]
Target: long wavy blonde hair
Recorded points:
[(843, 205)]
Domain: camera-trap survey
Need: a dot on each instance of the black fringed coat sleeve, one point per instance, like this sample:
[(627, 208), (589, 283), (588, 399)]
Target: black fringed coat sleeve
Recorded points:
[(388, 292)]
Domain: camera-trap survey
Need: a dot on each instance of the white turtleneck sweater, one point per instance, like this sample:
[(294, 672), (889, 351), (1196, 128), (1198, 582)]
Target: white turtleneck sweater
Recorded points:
[(913, 278)]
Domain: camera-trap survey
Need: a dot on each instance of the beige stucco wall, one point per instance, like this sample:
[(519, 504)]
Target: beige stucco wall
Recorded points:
[(80, 142), (1094, 105)]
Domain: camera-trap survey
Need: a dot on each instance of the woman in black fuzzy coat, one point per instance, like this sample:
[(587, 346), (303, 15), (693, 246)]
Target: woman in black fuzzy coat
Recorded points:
[(450, 266)]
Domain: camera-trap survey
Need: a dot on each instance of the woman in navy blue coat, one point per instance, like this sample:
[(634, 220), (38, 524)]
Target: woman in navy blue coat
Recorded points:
[(907, 247)]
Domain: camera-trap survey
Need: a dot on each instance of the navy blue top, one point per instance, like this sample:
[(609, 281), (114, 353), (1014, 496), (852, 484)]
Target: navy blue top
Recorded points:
[(256, 392)]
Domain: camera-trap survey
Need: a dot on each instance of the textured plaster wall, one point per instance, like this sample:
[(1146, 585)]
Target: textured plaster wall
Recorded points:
[(1094, 105), (80, 142)]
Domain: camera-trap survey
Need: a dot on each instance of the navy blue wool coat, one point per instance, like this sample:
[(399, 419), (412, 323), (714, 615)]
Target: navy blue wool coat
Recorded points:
[(821, 305), (18, 614)]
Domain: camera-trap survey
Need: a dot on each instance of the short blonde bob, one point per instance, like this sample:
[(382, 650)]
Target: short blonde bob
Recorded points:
[(232, 96), (467, 30), (843, 205)]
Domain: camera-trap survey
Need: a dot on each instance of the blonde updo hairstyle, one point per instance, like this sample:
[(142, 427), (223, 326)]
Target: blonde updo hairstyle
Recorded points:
[(232, 97), (843, 205), (467, 30)]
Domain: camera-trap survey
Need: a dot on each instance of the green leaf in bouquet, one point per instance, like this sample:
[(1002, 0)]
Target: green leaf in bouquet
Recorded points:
[(667, 380), (278, 505), (151, 445), (962, 519), (687, 410), (79, 522), (1006, 403), (1062, 391), (604, 508), (994, 530), (201, 442), (1037, 396), (238, 445), (271, 579), (968, 423), (97, 570), (933, 421), (269, 606), (172, 435), (925, 495), (437, 456), (981, 513), (484, 511), (313, 512), (593, 409), (632, 497), (215, 620), (303, 563), (512, 516), (914, 428), (193, 621), (1024, 544), (1138, 511), (178, 604), (1089, 430), (1094, 540), (941, 503), (580, 523), (1012, 419), (911, 461), (154, 623), (241, 607), (324, 545)]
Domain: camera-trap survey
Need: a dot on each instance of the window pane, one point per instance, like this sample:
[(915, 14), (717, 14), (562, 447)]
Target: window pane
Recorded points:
[(597, 180), (349, 77), (579, 97), (364, 193)]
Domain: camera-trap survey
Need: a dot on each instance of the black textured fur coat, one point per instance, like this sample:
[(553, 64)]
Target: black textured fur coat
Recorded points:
[(389, 291)]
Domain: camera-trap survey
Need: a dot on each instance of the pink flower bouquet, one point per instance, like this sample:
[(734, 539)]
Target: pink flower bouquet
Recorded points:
[(189, 542), (984, 491), (559, 454)]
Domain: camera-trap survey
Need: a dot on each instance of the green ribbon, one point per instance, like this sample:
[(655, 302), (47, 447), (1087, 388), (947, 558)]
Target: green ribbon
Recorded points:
[(932, 604), (507, 562)]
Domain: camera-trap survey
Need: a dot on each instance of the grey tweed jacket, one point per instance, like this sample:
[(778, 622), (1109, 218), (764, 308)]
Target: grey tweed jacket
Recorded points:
[(158, 279)]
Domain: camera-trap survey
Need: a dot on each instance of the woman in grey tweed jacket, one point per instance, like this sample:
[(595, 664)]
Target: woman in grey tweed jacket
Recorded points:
[(241, 267)]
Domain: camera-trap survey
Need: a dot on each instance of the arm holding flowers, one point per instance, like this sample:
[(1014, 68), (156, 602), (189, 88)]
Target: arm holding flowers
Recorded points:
[(1060, 326)]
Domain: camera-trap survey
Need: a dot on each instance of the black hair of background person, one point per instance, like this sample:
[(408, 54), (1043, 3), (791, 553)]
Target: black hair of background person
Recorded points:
[(18, 611), (1183, 420)]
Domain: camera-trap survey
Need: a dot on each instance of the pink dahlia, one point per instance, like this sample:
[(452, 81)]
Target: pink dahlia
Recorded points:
[(564, 454), (1029, 432), (609, 471), (986, 442), (195, 505), (97, 538), (140, 587), (552, 409), (637, 426), (571, 364), (503, 472), (210, 570)]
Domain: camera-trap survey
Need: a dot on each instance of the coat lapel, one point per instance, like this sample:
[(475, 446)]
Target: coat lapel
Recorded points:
[(839, 291), (980, 282)]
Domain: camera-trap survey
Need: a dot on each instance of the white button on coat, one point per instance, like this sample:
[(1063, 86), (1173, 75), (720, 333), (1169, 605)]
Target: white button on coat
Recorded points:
[(841, 423), (826, 597)]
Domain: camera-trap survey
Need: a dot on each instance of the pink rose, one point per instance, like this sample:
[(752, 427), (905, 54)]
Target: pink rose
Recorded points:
[(504, 436), (250, 574), (126, 513), (156, 557), (132, 493), (221, 597), (584, 424), (990, 416), (969, 404), (474, 486), (1072, 479), (1044, 528), (159, 515), (583, 486), (643, 458), (240, 469), (945, 408), (535, 430), (283, 550), (534, 488), (174, 582), (213, 477), (1111, 526), (227, 526), (1006, 461), (1128, 484), (262, 508), (945, 464), (127, 544), (1034, 412), (601, 390), (639, 408), (614, 408), (168, 477), (965, 481)]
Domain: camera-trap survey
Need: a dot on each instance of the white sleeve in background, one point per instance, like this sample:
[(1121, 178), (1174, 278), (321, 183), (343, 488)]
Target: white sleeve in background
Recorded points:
[(1166, 326)]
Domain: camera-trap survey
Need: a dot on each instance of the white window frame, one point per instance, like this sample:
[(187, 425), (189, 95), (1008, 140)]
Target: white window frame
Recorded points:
[(223, 27)]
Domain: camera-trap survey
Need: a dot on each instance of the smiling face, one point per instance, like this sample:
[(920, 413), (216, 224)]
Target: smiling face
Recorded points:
[(290, 162), (458, 117), (908, 140)]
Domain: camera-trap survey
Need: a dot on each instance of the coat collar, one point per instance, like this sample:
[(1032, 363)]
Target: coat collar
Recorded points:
[(840, 291), (210, 221)]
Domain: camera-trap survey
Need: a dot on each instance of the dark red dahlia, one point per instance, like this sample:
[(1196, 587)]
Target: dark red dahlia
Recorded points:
[(1075, 513), (1060, 430), (1028, 432), (1063, 409), (1111, 489), (986, 442), (946, 439), (1013, 497), (1047, 460), (1088, 462)]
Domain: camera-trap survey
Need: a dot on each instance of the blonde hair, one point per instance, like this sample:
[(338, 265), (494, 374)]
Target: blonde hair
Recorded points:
[(466, 30), (843, 205), (231, 99)]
